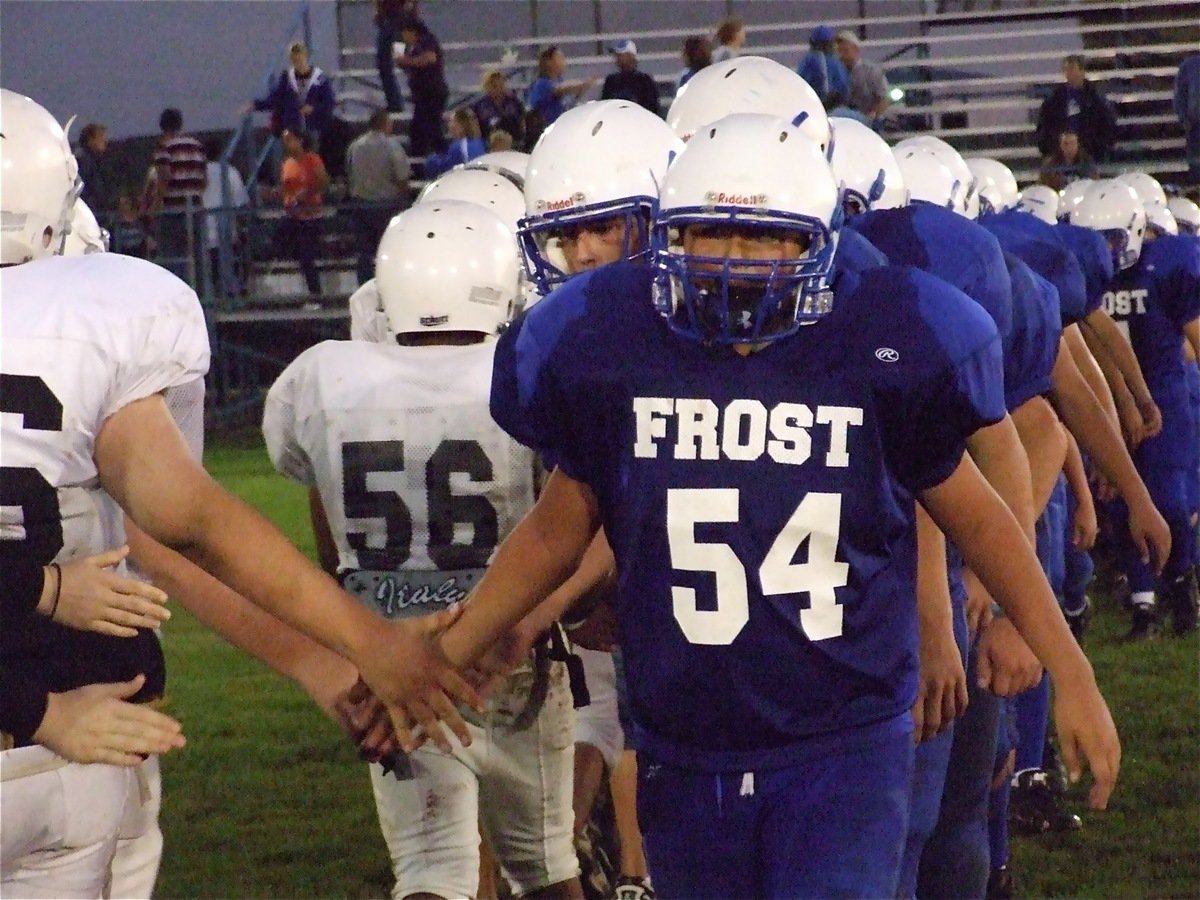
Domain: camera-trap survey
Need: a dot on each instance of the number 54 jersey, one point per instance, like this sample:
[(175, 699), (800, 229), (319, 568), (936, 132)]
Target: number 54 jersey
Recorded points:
[(418, 483), (760, 508)]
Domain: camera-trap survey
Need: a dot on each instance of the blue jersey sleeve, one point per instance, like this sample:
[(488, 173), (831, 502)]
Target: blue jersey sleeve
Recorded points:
[(1094, 258), (986, 280), (1031, 348), (856, 254), (959, 390), (527, 393), (1177, 268)]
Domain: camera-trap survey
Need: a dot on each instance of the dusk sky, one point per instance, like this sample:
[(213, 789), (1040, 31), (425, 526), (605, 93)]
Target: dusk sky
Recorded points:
[(120, 62)]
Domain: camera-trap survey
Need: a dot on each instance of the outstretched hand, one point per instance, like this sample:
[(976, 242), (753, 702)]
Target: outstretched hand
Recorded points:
[(96, 724), (93, 598), (404, 665)]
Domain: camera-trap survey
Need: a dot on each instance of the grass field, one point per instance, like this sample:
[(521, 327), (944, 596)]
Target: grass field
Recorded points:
[(268, 801)]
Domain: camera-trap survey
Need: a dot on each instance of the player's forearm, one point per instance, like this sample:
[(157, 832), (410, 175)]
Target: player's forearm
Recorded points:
[(1075, 472), (1191, 333), (987, 534), (246, 552), (1085, 419), (1121, 351), (1045, 443), (1090, 369), (934, 613), (1001, 459), (244, 625), (535, 559), (594, 570)]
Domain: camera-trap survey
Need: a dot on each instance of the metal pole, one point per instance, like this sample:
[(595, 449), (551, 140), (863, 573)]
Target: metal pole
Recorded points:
[(598, 25), (307, 23), (534, 31)]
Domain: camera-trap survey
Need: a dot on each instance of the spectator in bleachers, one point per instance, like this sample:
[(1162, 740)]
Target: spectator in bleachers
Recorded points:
[(547, 93), (1187, 106), (1068, 163), (301, 97), (127, 234), (1077, 105), (731, 37), (464, 145), (180, 176), (499, 108), (379, 171), (627, 83), (223, 225), (823, 70), (868, 91), (302, 181), (425, 66), (697, 54), (499, 141), (389, 14), (93, 171)]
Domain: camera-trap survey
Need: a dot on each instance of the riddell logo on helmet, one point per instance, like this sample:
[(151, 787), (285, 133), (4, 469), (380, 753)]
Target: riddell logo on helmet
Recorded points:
[(720, 198), (564, 203), (434, 321)]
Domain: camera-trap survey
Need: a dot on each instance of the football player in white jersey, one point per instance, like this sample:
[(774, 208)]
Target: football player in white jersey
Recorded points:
[(89, 346), (418, 486)]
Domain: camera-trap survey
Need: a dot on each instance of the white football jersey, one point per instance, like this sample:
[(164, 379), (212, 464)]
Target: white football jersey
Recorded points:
[(368, 321), (414, 475), (80, 338)]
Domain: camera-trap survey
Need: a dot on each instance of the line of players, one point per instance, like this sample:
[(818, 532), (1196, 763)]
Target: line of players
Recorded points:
[(408, 488), (591, 190)]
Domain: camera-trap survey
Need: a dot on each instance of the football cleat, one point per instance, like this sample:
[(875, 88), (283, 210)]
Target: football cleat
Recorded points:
[(1078, 620), (1055, 769), (1035, 808), (1182, 598), (1146, 624)]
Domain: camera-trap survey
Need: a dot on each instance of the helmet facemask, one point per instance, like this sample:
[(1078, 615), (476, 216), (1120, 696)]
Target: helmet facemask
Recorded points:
[(542, 236)]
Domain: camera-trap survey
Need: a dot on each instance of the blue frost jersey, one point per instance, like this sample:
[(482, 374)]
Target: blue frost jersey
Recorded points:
[(856, 254), (1092, 253), (1040, 246), (941, 242), (1152, 300), (1032, 346), (760, 508)]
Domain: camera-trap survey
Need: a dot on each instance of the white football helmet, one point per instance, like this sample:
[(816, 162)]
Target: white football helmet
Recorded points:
[(510, 163), (749, 84), (1040, 200), (1070, 197), (996, 184), (482, 186), (447, 265), (865, 168), (929, 179), (1159, 221), (1112, 208), (86, 235), (597, 161), (746, 172), (1147, 188), (1186, 213), (966, 197), (39, 180)]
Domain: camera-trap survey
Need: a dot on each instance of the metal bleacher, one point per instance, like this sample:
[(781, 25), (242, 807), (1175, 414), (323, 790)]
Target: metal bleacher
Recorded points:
[(973, 71)]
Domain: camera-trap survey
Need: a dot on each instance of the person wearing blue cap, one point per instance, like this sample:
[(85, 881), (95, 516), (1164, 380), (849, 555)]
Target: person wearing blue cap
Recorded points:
[(627, 83), (821, 68)]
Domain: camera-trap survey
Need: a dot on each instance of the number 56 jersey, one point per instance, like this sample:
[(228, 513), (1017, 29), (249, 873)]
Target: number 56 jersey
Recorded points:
[(760, 508), (418, 483)]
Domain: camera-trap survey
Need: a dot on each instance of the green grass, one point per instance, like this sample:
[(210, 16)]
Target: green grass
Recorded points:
[(268, 801)]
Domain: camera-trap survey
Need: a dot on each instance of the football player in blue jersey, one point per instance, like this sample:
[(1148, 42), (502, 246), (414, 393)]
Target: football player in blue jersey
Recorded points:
[(752, 440), (935, 233), (1155, 298)]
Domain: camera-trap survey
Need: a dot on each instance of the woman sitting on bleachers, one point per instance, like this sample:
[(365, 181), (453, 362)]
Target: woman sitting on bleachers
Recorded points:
[(465, 143)]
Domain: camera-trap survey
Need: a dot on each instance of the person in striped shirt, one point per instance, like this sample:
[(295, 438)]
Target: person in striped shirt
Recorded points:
[(180, 177)]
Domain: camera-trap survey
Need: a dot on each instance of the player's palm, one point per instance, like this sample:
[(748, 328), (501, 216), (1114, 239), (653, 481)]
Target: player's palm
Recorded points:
[(942, 695), (1004, 663), (1086, 732), (93, 598)]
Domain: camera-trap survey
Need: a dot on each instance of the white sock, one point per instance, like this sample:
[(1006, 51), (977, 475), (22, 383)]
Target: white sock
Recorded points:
[(1143, 599)]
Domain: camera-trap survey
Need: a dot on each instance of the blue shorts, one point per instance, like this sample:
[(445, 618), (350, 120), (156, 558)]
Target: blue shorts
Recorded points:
[(833, 826)]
